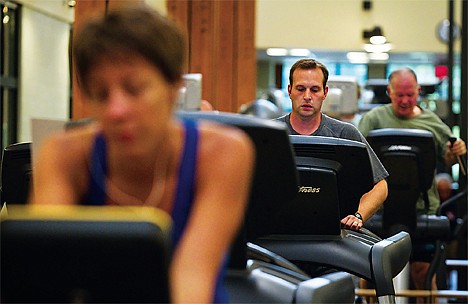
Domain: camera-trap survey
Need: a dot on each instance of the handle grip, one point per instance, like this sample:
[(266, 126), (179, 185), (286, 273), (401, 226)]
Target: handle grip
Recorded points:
[(461, 162)]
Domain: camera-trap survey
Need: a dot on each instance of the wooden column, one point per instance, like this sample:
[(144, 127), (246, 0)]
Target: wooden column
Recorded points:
[(85, 9), (246, 56), (221, 38)]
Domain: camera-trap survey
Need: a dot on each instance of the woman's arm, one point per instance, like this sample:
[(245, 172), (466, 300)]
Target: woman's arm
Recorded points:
[(224, 170), (57, 171)]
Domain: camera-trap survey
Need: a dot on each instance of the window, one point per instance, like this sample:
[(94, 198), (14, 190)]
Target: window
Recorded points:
[(9, 33)]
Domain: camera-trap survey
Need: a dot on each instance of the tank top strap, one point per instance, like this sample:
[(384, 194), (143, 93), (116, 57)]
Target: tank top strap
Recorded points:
[(185, 187), (98, 169)]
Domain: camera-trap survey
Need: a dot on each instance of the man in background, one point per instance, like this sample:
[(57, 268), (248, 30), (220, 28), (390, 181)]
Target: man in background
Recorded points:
[(404, 112), (307, 90)]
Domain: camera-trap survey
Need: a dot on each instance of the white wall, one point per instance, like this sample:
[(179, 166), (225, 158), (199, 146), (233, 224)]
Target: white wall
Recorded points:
[(44, 69), (409, 25), (44, 63), (54, 8), (159, 5)]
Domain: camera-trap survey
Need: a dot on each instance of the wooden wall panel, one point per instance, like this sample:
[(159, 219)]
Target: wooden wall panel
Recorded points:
[(83, 11), (246, 69), (221, 39), (222, 48), (223, 54), (201, 31), (86, 9), (178, 11), (111, 4)]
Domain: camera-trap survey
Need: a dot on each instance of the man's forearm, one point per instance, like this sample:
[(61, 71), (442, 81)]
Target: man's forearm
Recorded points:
[(373, 200)]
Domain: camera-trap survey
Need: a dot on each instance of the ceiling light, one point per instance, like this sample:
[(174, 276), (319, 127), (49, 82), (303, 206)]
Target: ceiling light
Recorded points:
[(357, 57), (299, 52), (379, 56), (375, 36), (377, 39), (277, 52), (377, 48), (69, 3)]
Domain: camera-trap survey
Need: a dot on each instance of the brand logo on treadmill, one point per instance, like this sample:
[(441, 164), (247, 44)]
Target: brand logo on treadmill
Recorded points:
[(399, 148), (304, 189)]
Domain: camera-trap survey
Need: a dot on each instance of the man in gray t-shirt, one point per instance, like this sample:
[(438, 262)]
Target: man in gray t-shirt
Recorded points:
[(307, 90)]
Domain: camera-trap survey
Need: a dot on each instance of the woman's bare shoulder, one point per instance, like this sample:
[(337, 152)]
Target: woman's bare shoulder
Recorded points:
[(224, 141), (213, 131), (68, 144)]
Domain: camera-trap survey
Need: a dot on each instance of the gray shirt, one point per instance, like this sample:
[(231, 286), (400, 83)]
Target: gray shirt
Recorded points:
[(331, 127)]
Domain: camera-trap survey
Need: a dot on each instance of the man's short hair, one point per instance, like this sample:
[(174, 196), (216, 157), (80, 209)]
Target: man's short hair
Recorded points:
[(309, 64), (401, 71)]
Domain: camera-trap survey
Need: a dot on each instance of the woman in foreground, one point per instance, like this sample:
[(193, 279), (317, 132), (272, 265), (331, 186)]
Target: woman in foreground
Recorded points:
[(129, 66)]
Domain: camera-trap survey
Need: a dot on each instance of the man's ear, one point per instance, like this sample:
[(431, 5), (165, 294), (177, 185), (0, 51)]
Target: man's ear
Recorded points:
[(289, 89), (325, 92)]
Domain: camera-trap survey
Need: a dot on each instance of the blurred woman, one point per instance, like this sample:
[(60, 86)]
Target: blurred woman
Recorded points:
[(129, 66)]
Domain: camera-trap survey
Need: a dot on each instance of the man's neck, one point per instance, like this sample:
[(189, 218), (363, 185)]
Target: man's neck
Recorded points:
[(416, 111), (305, 125)]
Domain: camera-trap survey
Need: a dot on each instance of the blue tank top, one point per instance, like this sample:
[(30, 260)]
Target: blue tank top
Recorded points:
[(183, 198)]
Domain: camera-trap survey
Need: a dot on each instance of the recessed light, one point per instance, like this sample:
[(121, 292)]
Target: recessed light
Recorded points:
[(277, 52)]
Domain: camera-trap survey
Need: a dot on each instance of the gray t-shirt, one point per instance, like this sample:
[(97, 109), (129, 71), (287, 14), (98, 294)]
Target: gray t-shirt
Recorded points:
[(331, 127)]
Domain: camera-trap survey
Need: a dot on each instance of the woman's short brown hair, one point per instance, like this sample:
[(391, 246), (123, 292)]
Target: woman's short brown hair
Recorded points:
[(135, 29)]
